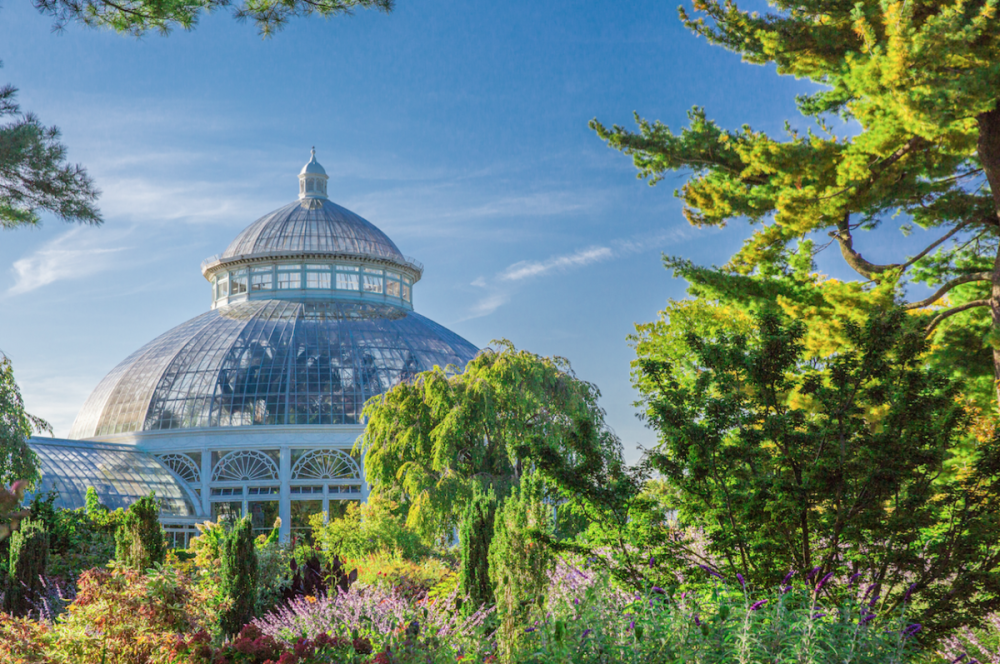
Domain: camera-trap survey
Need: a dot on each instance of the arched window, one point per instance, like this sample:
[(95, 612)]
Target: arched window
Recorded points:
[(183, 466), (326, 465), (243, 466)]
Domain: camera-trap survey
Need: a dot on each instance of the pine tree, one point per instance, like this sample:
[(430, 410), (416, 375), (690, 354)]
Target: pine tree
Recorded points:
[(140, 541), (519, 562), (29, 550), (239, 577), (475, 537), (912, 89)]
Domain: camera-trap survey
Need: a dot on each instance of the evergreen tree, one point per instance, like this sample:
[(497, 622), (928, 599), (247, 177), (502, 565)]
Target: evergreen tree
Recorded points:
[(239, 577), (475, 537), (17, 460), (520, 561), (856, 463), (140, 540), (905, 131), (29, 550)]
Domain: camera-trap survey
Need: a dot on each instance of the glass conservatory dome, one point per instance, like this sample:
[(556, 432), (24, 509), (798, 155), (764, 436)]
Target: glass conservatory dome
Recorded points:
[(312, 315)]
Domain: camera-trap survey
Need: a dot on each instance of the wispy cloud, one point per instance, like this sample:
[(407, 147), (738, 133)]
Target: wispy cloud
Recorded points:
[(499, 289), (73, 254), (529, 269)]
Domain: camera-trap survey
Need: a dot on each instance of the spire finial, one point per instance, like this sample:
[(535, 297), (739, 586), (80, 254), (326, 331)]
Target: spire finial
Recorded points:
[(313, 153)]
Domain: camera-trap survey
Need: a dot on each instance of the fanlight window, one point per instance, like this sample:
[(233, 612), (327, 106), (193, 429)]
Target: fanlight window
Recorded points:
[(184, 466), (245, 465), (325, 465)]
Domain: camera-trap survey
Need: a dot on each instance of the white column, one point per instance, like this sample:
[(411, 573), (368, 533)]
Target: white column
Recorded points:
[(206, 476), (285, 493)]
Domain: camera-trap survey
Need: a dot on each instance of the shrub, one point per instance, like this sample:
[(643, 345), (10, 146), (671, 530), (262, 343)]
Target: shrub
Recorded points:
[(475, 537), (388, 569), (253, 647), (239, 577), (23, 641), (381, 616), (122, 616), (721, 623), (518, 562), (139, 541), (29, 548), (367, 528), (79, 539)]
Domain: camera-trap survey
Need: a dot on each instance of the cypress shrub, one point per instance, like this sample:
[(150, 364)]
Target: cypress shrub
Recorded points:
[(519, 562), (29, 551), (239, 577), (140, 541), (475, 536)]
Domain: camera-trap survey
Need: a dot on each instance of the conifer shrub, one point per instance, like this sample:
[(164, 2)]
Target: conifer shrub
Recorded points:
[(239, 577), (29, 549), (475, 536), (140, 541), (519, 562)]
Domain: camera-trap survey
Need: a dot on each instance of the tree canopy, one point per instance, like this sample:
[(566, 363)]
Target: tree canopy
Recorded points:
[(17, 460), (857, 463), (34, 175), (905, 130), (429, 440), (137, 17)]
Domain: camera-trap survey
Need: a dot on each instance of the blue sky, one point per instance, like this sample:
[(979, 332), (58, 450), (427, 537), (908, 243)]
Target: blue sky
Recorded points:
[(458, 128)]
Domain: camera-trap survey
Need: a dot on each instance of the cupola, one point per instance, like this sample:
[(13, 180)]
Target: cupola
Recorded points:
[(312, 179)]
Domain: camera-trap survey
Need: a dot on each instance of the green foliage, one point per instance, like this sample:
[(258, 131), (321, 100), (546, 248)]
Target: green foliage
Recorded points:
[(139, 541), (519, 561), (17, 460), (411, 578), (598, 624), (239, 577), (29, 548), (78, 539), (475, 537), (904, 130), (138, 17), (10, 514), (366, 528), (844, 463), (34, 177), (274, 574), (429, 441)]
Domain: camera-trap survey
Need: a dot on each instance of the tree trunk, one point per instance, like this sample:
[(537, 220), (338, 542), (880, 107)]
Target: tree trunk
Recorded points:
[(988, 148)]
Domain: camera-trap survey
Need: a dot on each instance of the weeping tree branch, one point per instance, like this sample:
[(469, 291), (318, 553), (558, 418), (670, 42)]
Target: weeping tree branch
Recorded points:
[(964, 279), (954, 310)]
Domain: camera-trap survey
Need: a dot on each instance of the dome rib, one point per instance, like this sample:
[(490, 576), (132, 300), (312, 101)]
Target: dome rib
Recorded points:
[(313, 226)]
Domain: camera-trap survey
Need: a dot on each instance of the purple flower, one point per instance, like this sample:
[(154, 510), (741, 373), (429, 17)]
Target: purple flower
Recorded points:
[(819, 586), (787, 577), (652, 561), (868, 591), (785, 590), (812, 573), (576, 600), (818, 616), (959, 658), (529, 629), (710, 571), (684, 594), (912, 629), (909, 591), (631, 625), (854, 577), (659, 591), (866, 619), (759, 604), (873, 601), (696, 620), (743, 584), (586, 632)]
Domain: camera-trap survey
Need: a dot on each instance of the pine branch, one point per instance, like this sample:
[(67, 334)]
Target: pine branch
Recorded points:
[(964, 279), (954, 310)]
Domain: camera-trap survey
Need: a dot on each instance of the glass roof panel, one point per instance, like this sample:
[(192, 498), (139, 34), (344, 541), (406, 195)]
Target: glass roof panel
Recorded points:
[(119, 473)]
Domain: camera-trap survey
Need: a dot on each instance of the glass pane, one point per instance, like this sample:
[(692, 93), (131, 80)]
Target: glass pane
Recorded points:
[(227, 511), (406, 292), (392, 288), (263, 514), (238, 279), (302, 510), (261, 280), (373, 284), (318, 280), (338, 508), (347, 281), (289, 280)]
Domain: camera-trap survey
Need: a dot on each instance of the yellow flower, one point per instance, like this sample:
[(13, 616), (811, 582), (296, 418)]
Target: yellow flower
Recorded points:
[(310, 599)]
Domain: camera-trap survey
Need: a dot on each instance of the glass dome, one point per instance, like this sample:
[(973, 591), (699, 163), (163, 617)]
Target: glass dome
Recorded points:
[(268, 362), (310, 226)]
